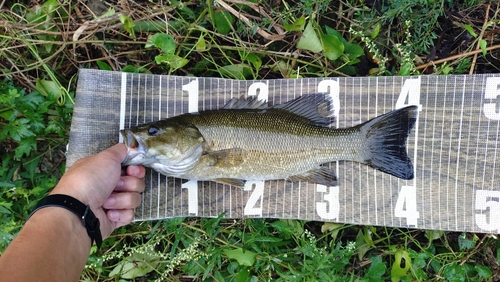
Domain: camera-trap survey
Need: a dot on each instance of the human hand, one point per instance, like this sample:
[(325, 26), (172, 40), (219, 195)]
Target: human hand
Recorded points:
[(98, 181)]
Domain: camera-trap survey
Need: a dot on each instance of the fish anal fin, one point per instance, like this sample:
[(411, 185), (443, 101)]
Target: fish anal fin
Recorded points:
[(320, 175), (231, 181)]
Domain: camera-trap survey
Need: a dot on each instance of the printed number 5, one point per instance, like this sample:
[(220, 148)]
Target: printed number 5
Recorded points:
[(483, 204)]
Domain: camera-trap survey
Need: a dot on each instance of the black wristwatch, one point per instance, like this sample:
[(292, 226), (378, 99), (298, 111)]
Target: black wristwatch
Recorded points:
[(89, 220)]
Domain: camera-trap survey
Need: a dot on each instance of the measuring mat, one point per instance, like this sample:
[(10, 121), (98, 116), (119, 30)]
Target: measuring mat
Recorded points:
[(454, 148)]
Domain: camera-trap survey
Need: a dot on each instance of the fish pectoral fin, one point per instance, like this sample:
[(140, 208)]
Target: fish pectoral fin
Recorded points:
[(320, 175), (228, 158), (231, 181)]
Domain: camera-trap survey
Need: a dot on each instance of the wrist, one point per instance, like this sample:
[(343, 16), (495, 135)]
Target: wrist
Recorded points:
[(83, 212)]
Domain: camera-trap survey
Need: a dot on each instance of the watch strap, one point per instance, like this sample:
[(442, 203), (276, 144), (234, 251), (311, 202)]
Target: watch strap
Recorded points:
[(89, 220)]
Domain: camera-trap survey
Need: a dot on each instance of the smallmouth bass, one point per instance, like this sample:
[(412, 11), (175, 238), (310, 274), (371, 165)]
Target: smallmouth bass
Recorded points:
[(249, 140)]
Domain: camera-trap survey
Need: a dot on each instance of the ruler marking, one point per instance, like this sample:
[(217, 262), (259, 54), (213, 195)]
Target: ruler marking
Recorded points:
[(450, 144), (459, 151), (360, 170), (123, 103), (464, 195), (384, 99)]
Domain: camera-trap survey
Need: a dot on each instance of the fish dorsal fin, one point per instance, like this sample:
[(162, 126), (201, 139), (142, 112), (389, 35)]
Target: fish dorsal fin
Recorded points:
[(316, 108), (246, 103)]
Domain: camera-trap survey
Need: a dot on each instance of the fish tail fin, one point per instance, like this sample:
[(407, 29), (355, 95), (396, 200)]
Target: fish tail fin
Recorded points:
[(386, 137)]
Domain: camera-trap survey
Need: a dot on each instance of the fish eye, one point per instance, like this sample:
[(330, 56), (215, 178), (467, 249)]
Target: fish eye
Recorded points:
[(153, 130)]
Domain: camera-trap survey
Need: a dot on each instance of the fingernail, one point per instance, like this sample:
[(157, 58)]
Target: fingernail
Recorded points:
[(114, 215), (110, 201), (120, 183)]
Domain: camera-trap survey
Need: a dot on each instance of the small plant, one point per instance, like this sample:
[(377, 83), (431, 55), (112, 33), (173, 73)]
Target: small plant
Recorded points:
[(31, 126)]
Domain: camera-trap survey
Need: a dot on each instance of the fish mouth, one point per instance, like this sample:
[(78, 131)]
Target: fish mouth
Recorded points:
[(134, 147)]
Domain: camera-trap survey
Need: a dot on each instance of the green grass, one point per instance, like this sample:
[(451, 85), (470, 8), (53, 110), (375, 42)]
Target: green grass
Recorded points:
[(39, 61)]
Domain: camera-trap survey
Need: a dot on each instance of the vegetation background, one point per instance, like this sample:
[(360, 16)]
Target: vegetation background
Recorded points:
[(44, 43)]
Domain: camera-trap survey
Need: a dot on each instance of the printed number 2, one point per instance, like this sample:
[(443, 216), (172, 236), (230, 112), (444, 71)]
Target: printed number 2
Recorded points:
[(488, 200), (407, 196), (254, 206)]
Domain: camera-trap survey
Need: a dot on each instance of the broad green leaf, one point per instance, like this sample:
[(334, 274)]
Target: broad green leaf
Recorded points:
[(223, 21), (7, 185), (399, 267), (174, 61), (332, 47), (4, 210), (201, 45), (134, 266), (330, 226), (432, 235), (333, 32), (405, 69), (243, 257), (483, 271), (362, 246), (128, 24), (25, 147), (465, 243), (298, 25), (483, 44), (470, 30), (255, 60), (353, 51), (376, 270), (165, 42), (243, 275), (310, 40), (103, 65), (455, 273), (50, 6), (236, 71), (47, 86), (376, 31), (368, 235), (110, 12)]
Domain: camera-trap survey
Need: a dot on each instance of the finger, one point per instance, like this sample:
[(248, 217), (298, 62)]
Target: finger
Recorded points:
[(136, 170), (120, 217), (130, 184), (117, 201), (117, 153)]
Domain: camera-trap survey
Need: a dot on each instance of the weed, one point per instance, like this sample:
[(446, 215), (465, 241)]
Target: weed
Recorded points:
[(32, 126)]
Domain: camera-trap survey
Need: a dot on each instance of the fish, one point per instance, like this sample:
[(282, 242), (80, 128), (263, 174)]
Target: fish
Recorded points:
[(249, 140)]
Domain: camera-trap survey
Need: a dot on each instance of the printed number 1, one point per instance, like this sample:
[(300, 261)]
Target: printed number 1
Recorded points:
[(192, 187), (192, 90)]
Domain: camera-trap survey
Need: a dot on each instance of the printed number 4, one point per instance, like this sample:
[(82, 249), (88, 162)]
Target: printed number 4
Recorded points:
[(408, 196)]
